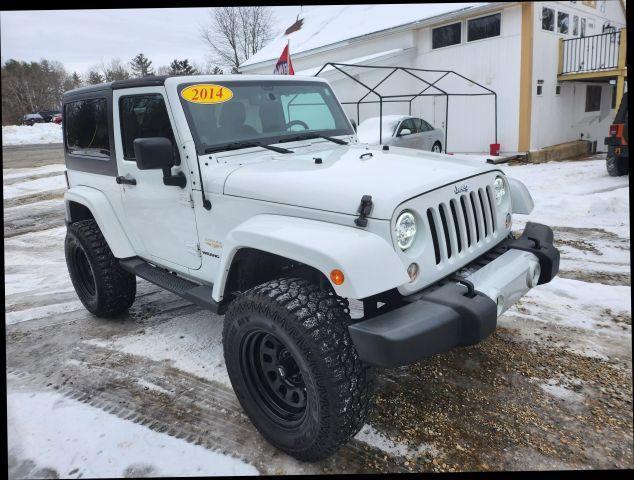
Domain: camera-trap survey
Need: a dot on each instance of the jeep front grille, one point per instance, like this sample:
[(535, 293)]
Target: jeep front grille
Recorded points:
[(461, 223)]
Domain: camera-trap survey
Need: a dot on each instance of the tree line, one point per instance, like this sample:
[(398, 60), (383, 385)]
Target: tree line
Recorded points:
[(233, 34)]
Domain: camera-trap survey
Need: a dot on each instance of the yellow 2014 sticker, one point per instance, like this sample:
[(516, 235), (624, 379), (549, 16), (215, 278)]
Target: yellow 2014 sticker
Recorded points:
[(207, 93)]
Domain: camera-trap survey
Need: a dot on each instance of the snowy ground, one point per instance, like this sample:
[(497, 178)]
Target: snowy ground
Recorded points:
[(26, 135), (148, 394)]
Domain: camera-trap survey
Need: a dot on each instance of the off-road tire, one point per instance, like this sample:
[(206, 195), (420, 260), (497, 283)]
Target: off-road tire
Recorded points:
[(312, 324), (617, 166), (113, 289), (437, 144)]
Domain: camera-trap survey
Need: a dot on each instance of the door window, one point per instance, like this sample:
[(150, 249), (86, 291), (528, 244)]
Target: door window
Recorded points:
[(407, 124), (143, 116)]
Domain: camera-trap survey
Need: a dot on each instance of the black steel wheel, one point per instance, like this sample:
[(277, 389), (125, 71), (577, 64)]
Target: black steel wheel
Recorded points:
[(104, 288), (294, 368), (272, 375)]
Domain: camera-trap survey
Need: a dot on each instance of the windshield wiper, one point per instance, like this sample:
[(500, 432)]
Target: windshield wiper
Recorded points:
[(239, 145), (309, 136)]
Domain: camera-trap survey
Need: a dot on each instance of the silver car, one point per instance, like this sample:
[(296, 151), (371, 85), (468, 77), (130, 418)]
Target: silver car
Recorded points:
[(402, 131)]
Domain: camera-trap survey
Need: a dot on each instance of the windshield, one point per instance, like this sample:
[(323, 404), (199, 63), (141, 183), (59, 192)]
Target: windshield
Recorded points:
[(263, 112)]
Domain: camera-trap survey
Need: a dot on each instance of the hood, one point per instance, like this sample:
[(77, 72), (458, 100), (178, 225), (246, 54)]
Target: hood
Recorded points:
[(339, 182)]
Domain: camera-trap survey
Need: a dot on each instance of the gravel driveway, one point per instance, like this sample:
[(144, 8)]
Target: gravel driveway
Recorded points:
[(550, 389)]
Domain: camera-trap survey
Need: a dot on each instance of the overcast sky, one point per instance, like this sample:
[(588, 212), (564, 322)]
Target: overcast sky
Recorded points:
[(81, 39)]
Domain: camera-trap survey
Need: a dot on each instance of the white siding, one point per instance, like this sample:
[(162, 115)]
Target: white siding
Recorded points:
[(559, 119)]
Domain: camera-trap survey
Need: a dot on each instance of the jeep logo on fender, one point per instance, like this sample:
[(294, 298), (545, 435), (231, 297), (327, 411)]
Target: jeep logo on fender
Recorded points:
[(460, 189)]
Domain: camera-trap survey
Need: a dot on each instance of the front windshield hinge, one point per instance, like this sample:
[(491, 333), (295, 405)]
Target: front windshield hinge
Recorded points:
[(365, 208)]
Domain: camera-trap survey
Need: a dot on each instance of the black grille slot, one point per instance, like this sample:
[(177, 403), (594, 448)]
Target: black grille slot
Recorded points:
[(484, 213), (443, 220), (455, 223), (491, 207), (434, 236), (475, 217), (466, 219)]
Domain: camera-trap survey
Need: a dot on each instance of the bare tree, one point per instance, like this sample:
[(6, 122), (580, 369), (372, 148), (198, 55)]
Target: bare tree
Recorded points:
[(236, 33)]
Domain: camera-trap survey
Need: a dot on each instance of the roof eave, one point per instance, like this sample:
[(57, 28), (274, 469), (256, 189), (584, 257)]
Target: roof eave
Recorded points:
[(426, 22)]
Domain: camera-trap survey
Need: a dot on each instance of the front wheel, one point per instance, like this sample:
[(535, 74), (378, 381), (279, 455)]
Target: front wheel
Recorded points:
[(436, 148), (294, 368)]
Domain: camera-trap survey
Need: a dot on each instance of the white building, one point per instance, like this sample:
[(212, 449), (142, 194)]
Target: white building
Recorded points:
[(558, 68)]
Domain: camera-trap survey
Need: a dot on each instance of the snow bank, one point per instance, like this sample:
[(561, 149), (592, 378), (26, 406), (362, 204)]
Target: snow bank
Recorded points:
[(25, 135), (39, 185), (99, 445)]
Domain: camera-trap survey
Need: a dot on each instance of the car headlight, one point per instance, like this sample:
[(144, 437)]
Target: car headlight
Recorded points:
[(499, 190), (405, 230)]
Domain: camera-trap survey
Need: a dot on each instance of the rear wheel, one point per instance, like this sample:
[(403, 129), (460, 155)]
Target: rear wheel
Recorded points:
[(294, 367), (105, 289), (617, 166), (436, 148)]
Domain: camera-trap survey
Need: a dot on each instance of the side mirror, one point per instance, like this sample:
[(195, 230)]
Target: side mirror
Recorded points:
[(354, 124), (157, 153), (405, 131), (153, 153)]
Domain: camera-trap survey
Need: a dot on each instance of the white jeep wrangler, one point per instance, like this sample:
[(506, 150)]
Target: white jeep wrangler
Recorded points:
[(252, 197)]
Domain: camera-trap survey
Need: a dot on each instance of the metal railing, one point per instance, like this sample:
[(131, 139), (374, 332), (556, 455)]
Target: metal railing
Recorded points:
[(590, 54)]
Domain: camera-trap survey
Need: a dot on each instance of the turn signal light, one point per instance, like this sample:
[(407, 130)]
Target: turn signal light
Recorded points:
[(336, 276)]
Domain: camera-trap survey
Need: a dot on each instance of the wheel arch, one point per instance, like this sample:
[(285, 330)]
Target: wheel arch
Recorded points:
[(318, 247), (83, 203)]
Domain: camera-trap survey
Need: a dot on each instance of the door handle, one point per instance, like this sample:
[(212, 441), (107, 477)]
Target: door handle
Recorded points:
[(124, 180)]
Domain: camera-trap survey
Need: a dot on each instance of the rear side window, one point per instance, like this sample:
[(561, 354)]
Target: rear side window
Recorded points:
[(86, 127), (143, 116)]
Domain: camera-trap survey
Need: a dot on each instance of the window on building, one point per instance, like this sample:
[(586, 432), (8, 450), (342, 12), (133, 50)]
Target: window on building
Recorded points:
[(582, 28), (446, 35), (484, 27), (575, 25), (558, 89), (593, 98), (613, 102), (143, 116), (540, 88), (86, 126), (562, 22), (548, 19)]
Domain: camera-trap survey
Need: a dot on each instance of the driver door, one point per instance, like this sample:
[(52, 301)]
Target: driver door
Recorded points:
[(159, 217)]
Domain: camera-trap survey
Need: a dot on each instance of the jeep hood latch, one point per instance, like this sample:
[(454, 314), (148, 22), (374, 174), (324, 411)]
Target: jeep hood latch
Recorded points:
[(365, 208)]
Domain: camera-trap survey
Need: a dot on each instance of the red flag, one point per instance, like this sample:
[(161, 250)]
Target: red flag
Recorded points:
[(284, 65)]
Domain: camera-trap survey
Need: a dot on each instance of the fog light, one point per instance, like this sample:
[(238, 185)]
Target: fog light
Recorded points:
[(500, 304), (509, 221), (412, 271), (336, 276)]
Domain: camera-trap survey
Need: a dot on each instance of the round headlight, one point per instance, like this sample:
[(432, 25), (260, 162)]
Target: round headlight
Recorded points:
[(405, 230), (499, 190)]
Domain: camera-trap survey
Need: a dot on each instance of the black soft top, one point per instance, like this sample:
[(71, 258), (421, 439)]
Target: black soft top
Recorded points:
[(150, 81)]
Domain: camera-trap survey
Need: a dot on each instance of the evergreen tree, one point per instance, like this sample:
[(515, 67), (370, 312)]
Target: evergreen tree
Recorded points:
[(216, 70), (182, 67), (141, 66), (94, 77)]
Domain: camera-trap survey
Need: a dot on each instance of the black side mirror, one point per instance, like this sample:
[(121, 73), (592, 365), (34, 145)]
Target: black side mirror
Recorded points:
[(153, 153), (354, 124), (157, 153)]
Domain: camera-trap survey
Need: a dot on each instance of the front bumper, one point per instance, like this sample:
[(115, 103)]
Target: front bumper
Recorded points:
[(463, 311)]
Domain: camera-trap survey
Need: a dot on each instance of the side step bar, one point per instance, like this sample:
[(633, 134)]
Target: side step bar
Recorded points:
[(194, 292)]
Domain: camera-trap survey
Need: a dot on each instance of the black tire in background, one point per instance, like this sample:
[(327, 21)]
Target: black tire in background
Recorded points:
[(105, 289), (294, 368), (617, 166), (436, 145)]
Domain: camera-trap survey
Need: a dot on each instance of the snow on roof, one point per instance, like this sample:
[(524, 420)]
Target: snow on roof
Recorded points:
[(327, 25), (352, 61)]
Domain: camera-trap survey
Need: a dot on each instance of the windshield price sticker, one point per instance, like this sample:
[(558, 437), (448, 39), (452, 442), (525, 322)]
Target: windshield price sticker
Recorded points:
[(207, 93)]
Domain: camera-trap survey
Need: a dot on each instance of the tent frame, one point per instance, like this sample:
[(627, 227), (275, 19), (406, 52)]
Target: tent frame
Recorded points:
[(410, 97)]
